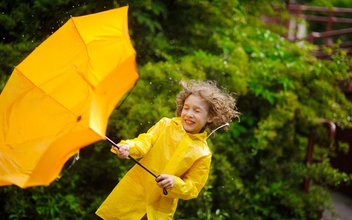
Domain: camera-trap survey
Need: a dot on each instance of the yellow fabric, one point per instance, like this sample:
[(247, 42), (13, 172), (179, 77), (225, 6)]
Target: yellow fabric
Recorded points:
[(166, 149), (60, 97)]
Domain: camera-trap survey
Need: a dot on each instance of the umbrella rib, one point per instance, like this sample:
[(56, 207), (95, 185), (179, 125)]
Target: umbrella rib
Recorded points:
[(85, 45), (80, 36), (56, 101), (83, 77)]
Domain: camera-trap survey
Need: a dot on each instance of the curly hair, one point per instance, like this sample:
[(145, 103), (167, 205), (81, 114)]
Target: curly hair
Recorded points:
[(222, 105)]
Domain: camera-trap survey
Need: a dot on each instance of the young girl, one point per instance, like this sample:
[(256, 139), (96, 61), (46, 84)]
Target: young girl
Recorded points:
[(174, 148)]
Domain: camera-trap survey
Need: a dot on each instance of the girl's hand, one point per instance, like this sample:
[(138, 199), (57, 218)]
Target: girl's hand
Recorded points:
[(123, 152), (165, 181)]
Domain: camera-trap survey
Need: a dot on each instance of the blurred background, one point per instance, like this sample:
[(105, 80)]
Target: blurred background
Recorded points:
[(288, 64)]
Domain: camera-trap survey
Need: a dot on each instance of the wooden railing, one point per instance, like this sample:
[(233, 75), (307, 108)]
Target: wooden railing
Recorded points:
[(298, 11), (333, 16)]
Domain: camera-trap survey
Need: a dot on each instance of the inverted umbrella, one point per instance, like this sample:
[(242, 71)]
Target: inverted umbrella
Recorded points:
[(60, 97)]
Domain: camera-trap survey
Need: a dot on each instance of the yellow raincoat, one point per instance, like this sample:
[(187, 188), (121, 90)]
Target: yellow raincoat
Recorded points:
[(166, 149)]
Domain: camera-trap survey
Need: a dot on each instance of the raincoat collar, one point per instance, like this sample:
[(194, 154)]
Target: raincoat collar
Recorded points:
[(201, 136)]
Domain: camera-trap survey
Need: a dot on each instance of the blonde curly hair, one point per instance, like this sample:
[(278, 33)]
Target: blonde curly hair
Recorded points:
[(222, 105)]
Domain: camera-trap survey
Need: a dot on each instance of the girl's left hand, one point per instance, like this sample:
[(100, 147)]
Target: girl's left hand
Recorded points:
[(165, 181)]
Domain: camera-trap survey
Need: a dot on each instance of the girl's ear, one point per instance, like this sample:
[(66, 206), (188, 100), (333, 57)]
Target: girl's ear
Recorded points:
[(210, 118)]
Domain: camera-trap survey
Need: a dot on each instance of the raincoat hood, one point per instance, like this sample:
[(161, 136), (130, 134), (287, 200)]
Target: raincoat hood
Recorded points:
[(165, 149)]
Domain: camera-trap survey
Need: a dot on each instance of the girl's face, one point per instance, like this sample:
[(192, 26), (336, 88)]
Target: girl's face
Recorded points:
[(195, 114)]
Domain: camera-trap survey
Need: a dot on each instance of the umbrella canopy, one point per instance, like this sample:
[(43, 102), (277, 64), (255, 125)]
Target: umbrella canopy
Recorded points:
[(60, 97)]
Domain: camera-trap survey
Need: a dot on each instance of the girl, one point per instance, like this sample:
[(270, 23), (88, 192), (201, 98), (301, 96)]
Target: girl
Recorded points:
[(177, 149)]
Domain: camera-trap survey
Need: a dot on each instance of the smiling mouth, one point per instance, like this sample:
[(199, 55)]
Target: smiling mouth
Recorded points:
[(188, 122)]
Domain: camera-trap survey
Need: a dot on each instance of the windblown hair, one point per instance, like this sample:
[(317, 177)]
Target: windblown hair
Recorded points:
[(222, 105)]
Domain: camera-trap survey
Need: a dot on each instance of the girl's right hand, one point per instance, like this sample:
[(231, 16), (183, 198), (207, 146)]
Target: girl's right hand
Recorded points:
[(123, 152)]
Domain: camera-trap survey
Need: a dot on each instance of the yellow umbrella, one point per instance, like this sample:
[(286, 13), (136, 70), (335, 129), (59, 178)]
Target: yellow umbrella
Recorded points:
[(60, 97)]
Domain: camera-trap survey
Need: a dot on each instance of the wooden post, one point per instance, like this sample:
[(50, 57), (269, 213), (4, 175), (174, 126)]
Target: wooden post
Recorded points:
[(328, 40), (296, 24), (309, 161)]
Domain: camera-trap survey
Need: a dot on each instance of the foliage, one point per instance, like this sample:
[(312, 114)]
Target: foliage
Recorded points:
[(258, 165)]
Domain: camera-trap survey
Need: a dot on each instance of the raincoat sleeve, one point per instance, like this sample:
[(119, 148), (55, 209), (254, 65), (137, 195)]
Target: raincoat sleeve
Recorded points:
[(142, 144), (192, 182)]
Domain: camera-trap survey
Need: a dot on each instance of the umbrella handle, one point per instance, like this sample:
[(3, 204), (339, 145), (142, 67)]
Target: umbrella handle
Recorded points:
[(137, 162)]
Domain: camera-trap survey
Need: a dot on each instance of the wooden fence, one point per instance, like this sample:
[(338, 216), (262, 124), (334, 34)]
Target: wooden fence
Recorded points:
[(332, 16)]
